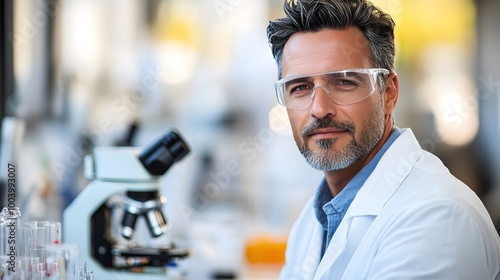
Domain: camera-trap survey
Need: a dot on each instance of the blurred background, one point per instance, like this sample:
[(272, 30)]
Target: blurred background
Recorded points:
[(83, 73)]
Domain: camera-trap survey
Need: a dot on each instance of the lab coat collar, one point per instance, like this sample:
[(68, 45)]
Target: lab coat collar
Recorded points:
[(392, 169)]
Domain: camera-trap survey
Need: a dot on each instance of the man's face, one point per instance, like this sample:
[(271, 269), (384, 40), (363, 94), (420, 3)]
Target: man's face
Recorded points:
[(330, 136)]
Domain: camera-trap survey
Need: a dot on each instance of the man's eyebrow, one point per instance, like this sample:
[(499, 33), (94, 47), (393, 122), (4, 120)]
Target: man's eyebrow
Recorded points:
[(356, 75), (298, 79)]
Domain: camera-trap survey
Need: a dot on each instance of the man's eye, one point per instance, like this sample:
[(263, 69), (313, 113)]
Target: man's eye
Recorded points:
[(346, 83), (298, 89)]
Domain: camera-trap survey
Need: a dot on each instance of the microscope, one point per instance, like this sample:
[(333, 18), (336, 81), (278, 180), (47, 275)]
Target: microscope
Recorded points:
[(125, 181)]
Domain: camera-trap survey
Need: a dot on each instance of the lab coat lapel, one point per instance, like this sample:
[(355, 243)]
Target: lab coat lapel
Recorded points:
[(392, 169), (312, 257), (388, 175)]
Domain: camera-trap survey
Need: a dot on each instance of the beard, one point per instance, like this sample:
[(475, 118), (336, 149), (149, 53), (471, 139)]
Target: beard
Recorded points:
[(328, 159)]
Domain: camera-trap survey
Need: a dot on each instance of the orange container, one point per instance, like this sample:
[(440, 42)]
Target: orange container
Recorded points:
[(265, 249)]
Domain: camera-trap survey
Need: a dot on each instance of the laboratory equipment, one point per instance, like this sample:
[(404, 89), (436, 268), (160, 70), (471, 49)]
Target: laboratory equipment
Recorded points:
[(125, 182), (33, 250)]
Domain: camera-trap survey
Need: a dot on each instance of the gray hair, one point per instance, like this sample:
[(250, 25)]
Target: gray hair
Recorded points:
[(315, 15)]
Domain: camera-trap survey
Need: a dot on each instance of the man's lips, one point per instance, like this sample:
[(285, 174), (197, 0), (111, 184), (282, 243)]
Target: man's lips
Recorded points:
[(327, 128), (326, 133)]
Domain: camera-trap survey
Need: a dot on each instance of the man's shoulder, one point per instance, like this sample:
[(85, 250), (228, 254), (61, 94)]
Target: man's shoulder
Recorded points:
[(436, 195)]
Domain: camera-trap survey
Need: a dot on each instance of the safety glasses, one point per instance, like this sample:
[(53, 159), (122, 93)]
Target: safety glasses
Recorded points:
[(343, 87)]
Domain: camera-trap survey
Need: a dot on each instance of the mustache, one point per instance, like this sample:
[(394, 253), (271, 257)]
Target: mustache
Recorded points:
[(327, 123)]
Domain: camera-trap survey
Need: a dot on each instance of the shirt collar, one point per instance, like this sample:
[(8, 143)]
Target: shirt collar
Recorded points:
[(343, 200)]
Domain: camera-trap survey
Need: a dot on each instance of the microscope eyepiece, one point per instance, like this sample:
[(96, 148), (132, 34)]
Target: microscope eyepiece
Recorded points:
[(157, 159), (167, 150)]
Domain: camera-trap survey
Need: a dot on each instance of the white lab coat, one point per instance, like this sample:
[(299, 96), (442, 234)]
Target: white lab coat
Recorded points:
[(411, 220)]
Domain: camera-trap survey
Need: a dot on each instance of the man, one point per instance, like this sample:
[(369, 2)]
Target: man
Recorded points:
[(386, 209)]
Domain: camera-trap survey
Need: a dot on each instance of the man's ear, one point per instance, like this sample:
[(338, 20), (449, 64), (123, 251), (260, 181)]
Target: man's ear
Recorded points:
[(391, 93)]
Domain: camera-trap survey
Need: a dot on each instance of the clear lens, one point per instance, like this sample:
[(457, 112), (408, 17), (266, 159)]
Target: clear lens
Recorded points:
[(343, 87)]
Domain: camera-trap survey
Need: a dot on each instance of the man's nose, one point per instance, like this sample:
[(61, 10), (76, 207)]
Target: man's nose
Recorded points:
[(321, 104)]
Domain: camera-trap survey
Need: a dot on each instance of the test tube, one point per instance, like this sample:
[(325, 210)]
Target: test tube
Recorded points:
[(82, 269), (34, 264), (22, 268), (62, 262), (54, 233), (83, 273), (38, 275), (37, 245), (89, 275), (23, 242), (30, 263)]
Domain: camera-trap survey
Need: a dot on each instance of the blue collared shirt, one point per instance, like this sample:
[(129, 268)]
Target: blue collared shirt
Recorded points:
[(331, 210)]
